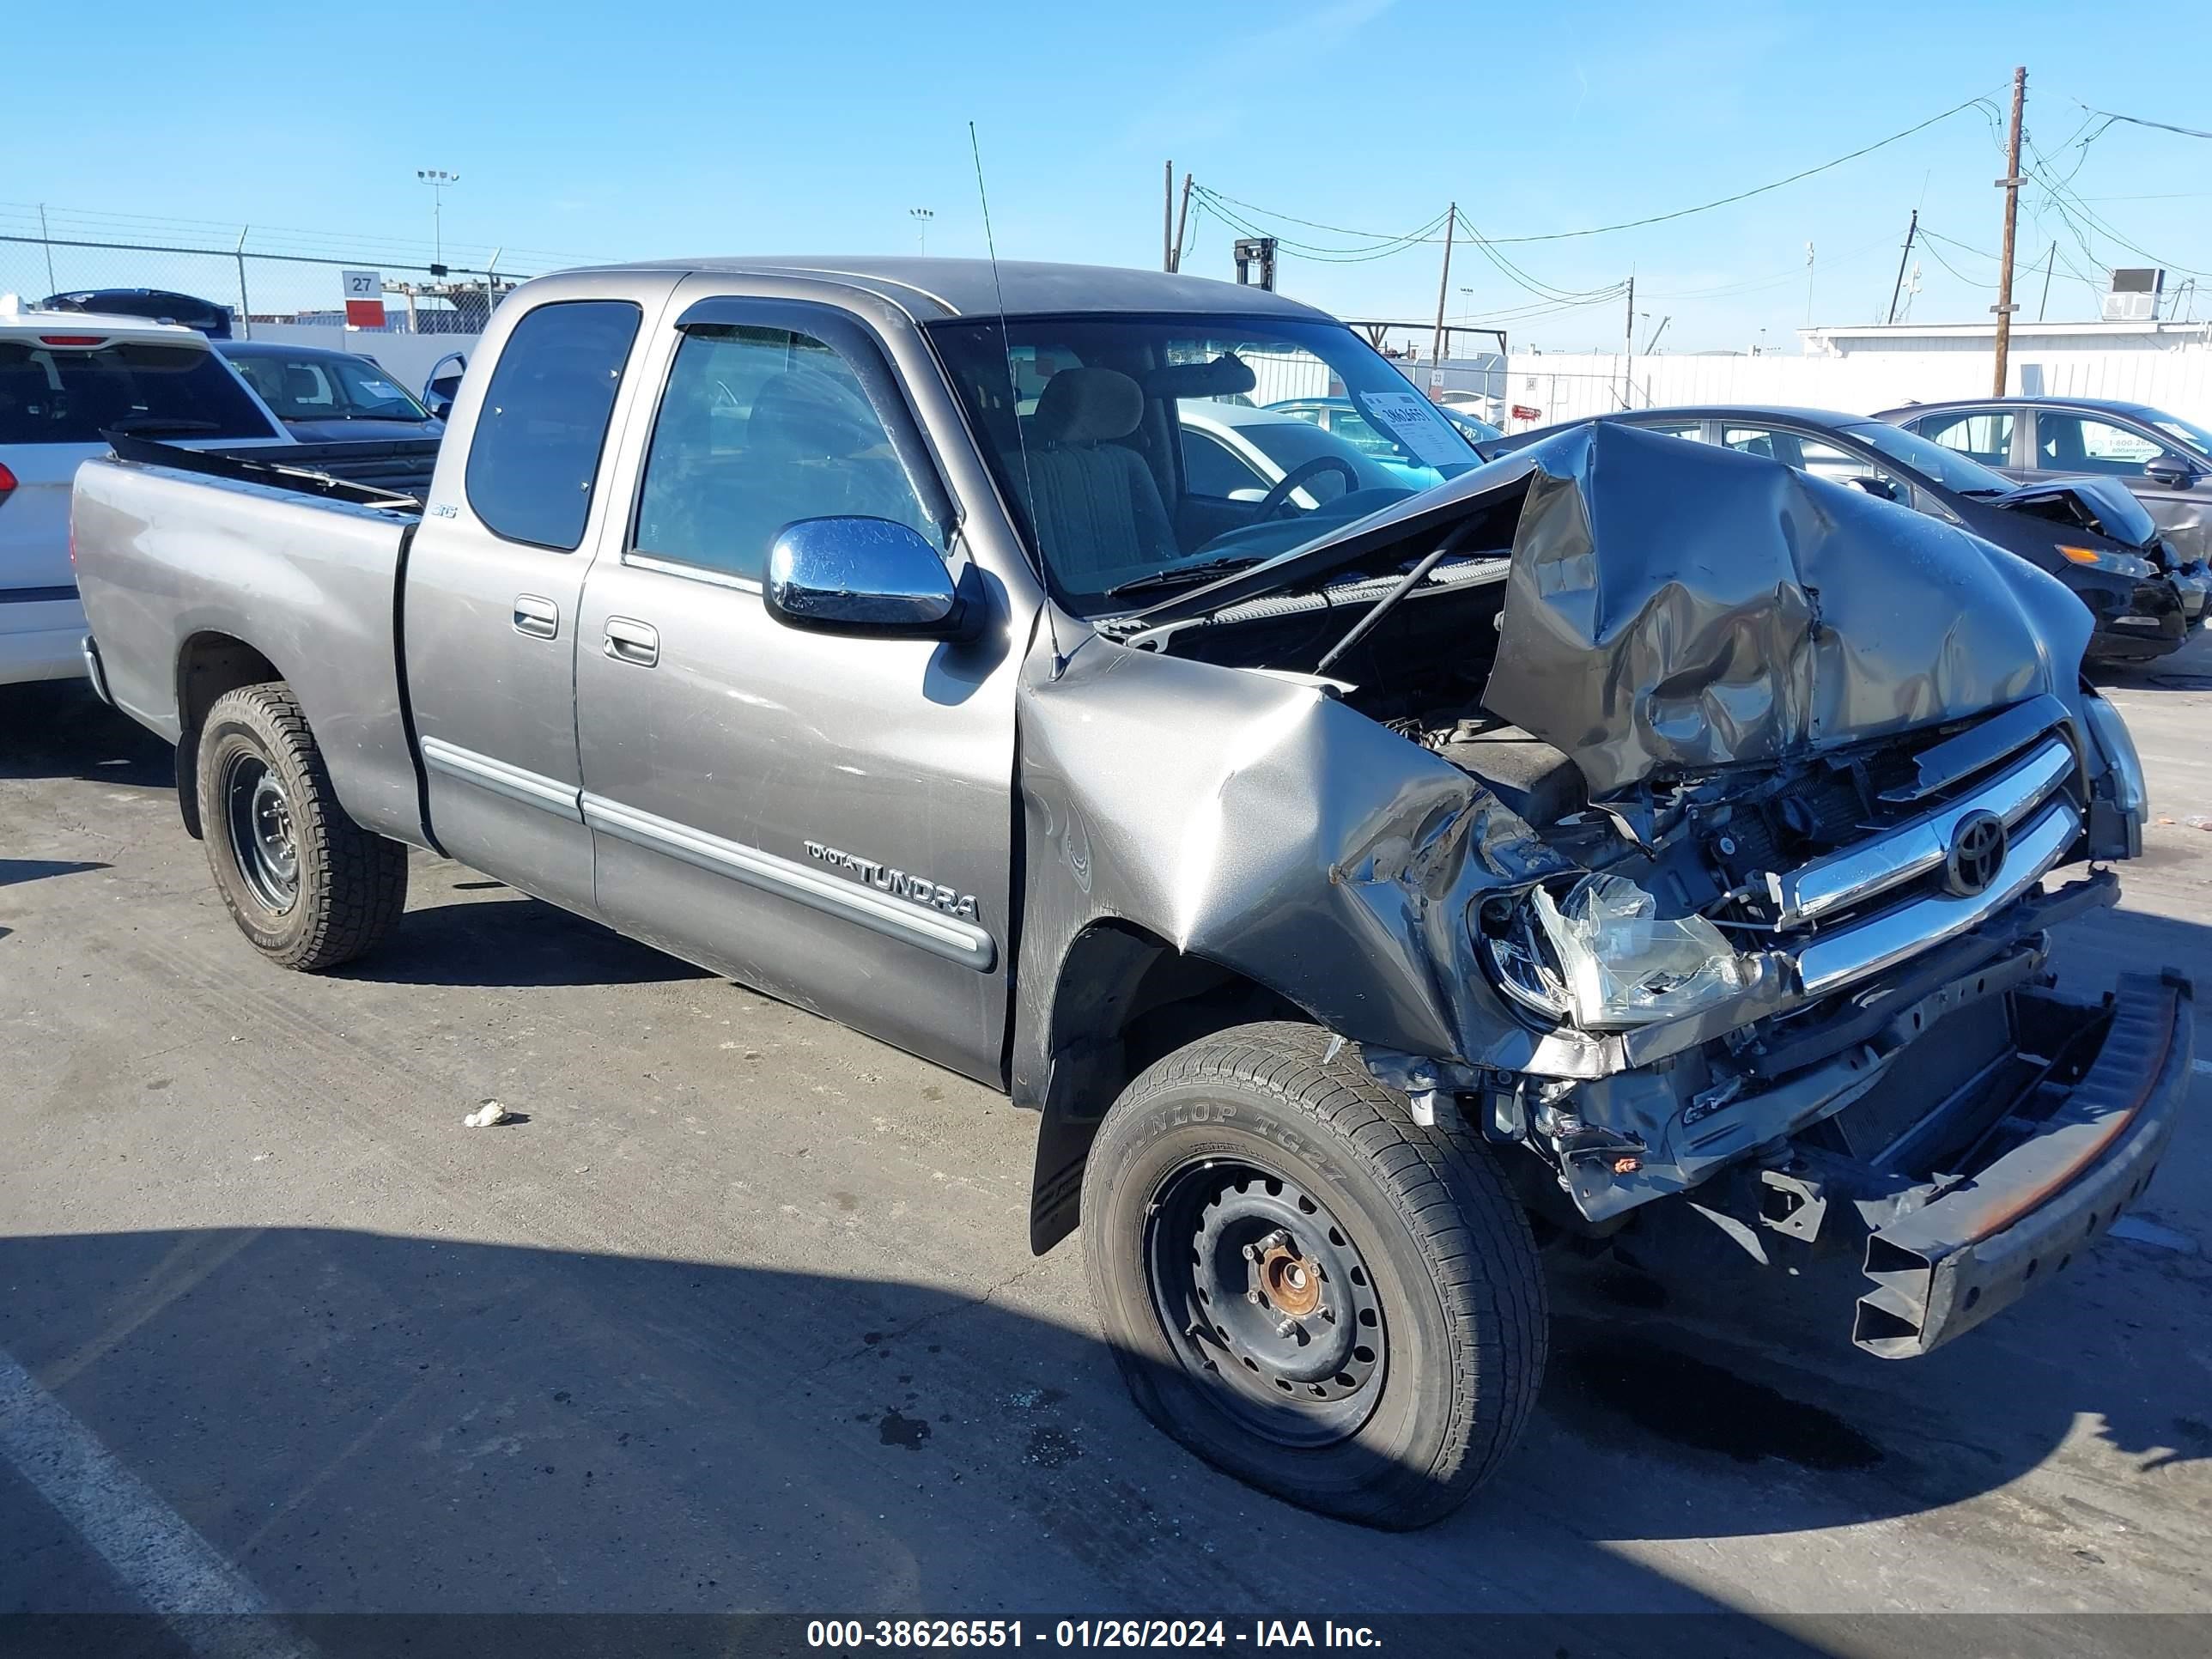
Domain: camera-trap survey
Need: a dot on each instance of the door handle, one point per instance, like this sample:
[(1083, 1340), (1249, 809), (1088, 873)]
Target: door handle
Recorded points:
[(539, 619), (632, 642)]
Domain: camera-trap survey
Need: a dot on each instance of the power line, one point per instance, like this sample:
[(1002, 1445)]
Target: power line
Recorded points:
[(1759, 189), (2143, 121)]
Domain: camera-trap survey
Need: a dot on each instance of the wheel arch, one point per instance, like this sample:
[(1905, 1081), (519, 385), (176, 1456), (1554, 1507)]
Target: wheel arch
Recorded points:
[(1123, 997), (209, 664)]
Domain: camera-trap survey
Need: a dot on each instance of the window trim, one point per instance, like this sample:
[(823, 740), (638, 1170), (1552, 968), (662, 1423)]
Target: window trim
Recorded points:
[(861, 350), (606, 431)]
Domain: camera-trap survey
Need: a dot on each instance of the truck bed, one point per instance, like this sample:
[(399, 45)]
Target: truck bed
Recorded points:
[(180, 563), (392, 472)]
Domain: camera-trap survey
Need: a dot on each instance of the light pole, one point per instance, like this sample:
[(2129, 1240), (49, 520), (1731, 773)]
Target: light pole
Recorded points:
[(439, 179), (921, 217)]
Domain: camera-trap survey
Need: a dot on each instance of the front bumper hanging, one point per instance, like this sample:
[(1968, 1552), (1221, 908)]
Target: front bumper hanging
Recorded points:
[(1983, 1243)]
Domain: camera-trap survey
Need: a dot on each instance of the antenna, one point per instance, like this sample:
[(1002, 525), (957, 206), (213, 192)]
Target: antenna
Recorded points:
[(1014, 403)]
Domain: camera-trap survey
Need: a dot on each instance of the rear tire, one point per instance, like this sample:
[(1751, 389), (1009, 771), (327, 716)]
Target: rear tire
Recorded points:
[(308, 887), (1395, 1352)]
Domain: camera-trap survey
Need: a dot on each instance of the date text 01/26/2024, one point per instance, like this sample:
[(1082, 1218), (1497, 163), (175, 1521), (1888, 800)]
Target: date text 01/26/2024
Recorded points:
[(1085, 1633)]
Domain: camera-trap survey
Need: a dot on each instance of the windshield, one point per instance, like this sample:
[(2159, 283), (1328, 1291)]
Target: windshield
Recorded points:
[(1139, 457), (1946, 467), (2187, 432), (335, 385)]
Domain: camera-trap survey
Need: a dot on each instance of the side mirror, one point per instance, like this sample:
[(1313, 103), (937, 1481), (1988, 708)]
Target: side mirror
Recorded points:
[(1888, 489), (860, 576), (2171, 471), (438, 396)]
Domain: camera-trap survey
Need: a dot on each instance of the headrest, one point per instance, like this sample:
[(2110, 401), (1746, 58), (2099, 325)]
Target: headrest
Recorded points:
[(1089, 406), (803, 410)]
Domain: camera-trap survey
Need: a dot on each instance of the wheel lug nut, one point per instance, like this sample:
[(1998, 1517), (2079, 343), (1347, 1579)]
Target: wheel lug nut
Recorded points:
[(1253, 1297), (1285, 1327)]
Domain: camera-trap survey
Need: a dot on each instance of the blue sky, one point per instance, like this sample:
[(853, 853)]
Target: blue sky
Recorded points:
[(680, 128)]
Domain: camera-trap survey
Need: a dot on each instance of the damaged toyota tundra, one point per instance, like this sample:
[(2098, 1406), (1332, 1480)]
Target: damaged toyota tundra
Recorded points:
[(1372, 876)]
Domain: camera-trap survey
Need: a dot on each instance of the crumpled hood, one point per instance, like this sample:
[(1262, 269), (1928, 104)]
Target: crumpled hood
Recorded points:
[(2118, 514), (1674, 606)]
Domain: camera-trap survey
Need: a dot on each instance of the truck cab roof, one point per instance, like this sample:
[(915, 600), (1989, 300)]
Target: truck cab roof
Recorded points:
[(933, 290)]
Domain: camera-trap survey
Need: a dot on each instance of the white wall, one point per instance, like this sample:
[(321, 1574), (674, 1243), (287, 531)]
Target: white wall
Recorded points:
[(1574, 386)]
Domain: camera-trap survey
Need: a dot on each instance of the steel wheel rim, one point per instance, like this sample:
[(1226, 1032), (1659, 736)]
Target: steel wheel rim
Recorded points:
[(1234, 1253), (264, 840)]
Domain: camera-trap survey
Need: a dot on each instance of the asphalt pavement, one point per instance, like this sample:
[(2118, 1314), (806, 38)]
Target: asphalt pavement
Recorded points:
[(738, 1313)]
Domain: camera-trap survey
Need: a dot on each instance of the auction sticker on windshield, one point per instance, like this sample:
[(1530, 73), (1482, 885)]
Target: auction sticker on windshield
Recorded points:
[(1409, 418)]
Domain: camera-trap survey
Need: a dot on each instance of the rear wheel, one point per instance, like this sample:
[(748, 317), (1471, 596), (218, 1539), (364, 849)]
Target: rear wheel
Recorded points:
[(309, 888), (1305, 1287)]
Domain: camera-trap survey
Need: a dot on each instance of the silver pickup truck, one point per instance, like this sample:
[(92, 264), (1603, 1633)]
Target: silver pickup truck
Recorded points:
[(1371, 876)]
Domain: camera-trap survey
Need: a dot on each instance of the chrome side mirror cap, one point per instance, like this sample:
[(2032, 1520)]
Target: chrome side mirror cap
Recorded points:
[(854, 575)]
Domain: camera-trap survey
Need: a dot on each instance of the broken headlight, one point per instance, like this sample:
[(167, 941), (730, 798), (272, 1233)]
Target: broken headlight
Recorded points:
[(1603, 957), (2130, 790)]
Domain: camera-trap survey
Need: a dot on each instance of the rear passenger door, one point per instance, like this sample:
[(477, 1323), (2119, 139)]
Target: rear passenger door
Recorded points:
[(1986, 435), (495, 577), (758, 792)]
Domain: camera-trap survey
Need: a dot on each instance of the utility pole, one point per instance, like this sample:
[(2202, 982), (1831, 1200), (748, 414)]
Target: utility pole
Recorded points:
[(43, 235), (2049, 260), (1443, 292), (2010, 185), (1628, 350), (1166, 217), (1897, 287), (921, 217), (1182, 217)]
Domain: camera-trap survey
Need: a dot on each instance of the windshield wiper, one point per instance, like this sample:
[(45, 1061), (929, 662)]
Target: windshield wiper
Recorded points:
[(161, 423), (1183, 575), (1985, 490)]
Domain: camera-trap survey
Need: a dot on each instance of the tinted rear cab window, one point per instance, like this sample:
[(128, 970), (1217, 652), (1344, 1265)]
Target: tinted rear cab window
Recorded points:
[(535, 453), (59, 395)]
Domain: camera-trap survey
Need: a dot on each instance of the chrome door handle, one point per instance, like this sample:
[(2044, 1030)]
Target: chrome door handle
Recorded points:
[(539, 619), (632, 642)]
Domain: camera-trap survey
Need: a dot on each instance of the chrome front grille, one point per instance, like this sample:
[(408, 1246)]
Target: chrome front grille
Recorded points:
[(1832, 897), (1871, 868)]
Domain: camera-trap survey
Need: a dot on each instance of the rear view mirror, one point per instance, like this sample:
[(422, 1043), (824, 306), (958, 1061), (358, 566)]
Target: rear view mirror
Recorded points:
[(860, 576), (2171, 471)]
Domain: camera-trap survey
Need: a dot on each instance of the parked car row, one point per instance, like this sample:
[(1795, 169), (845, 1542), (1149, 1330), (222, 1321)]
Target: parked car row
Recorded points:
[(2144, 588), (73, 382)]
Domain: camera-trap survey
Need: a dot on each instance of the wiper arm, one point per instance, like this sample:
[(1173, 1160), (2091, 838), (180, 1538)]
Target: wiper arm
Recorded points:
[(160, 423), (1183, 575)]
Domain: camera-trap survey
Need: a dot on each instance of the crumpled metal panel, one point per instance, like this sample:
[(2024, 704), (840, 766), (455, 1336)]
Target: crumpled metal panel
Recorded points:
[(1258, 823), (1672, 606)]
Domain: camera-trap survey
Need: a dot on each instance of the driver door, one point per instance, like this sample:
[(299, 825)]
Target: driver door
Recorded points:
[(767, 800)]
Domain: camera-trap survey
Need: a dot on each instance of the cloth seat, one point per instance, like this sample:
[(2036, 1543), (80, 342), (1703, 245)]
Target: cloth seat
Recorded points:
[(1095, 504)]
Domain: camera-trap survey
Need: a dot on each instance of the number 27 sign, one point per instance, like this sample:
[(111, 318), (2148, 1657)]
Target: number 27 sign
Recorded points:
[(364, 298)]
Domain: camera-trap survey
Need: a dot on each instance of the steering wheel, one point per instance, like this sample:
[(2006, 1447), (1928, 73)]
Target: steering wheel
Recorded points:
[(1272, 502)]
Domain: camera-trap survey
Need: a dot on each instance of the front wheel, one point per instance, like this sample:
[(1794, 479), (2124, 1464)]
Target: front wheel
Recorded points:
[(307, 886), (1305, 1287)]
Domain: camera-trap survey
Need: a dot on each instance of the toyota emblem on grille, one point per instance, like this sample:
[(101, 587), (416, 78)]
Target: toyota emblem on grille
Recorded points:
[(1977, 853)]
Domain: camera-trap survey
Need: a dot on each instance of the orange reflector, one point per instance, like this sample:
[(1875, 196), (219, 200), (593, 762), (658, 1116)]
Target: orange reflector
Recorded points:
[(2081, 554)]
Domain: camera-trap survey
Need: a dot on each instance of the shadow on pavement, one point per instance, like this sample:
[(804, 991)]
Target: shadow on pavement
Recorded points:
[(514, 941), (369, 1423), (60, 730)]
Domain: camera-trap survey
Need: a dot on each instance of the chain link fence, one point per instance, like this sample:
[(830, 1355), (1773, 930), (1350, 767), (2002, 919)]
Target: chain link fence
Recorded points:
[(289, 279), (257, 287)]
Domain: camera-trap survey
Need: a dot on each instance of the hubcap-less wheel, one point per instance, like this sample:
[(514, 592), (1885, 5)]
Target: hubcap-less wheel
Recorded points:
[(262, 835), (1266, 1297)]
